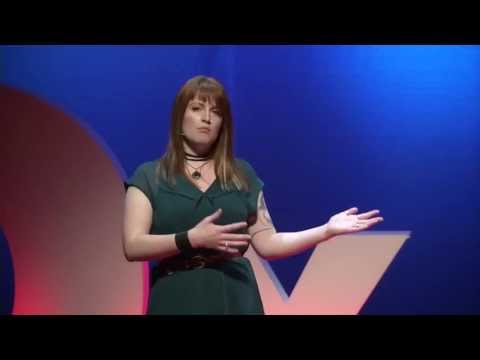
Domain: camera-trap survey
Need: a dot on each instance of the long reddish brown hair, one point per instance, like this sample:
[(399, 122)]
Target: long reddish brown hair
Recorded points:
[(173, 161)]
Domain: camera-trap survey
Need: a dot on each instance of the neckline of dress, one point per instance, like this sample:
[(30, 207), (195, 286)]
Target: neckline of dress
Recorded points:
[(190, 183)]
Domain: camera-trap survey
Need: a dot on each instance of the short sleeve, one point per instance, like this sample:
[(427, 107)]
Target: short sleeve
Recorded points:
[(142, 179), (255, 186)]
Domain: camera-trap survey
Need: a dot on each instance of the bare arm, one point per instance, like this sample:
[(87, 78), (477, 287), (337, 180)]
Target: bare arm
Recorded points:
[(271, 245), (138, 244)]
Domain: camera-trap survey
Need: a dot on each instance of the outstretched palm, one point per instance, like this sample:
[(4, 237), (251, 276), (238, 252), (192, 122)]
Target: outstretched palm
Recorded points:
[(349, 221)]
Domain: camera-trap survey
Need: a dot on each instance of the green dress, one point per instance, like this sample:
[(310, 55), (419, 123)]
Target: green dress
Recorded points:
[(225, 287)]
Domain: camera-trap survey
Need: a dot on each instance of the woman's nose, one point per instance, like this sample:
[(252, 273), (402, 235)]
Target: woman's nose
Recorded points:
[(206, 117)]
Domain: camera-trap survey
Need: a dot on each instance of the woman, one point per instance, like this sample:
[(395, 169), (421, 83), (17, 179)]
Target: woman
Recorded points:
[(194, 212)]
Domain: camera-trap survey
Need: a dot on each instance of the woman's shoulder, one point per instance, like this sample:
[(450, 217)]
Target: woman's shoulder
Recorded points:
[(242, 162), (148, 167), (245, 165)]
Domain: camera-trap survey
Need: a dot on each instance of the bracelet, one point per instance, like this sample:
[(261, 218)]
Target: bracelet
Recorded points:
[(182, 242)]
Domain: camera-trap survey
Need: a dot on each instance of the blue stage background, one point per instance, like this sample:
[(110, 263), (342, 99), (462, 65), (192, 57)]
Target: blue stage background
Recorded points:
[(326, 127)]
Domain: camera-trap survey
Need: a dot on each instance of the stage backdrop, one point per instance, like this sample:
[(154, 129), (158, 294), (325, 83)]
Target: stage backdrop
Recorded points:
[(395, 128)]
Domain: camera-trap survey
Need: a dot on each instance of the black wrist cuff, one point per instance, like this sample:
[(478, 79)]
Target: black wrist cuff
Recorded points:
[(182, 242)]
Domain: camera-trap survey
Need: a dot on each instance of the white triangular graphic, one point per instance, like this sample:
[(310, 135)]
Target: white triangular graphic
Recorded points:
[(337, 279)]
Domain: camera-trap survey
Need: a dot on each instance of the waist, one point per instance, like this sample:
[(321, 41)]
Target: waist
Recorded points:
[(198, 261)]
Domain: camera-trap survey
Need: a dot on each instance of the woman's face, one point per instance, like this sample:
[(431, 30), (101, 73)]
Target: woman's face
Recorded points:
[(201, 123)]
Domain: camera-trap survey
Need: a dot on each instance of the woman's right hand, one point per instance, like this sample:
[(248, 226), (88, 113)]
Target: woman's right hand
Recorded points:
[(208, 235)]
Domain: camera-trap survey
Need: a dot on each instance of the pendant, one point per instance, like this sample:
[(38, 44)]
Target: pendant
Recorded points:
[(196, 175)]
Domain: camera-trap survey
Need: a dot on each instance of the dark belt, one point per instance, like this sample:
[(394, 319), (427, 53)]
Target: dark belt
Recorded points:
[(169, 266)]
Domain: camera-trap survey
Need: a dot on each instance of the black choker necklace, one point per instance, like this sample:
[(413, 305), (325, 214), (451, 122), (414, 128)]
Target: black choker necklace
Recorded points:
[(192, 157), (196, 173)]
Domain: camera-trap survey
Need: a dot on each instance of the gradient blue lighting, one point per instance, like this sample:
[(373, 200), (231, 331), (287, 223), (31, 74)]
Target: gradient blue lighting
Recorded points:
[(326, 127)]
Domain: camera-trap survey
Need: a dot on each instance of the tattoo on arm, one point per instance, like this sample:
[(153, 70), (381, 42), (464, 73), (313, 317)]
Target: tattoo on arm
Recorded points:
[(263, 213)]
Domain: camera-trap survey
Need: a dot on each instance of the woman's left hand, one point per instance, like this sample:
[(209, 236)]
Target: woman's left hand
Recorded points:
[(349, 221)]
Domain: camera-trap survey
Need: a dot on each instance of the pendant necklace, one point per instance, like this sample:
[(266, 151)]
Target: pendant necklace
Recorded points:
[(196, 171)]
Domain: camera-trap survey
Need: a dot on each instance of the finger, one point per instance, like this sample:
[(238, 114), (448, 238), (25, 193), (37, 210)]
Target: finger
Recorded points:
[(244, 237), (370, 222), (368, 214), (351, 211), (233, 227), (229, 249), (235, 243), (212, 217)]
